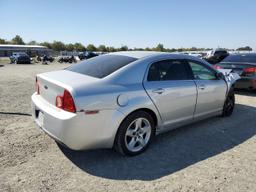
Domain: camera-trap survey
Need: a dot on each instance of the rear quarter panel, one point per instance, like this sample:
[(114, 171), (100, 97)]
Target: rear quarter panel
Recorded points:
[(123, 98)]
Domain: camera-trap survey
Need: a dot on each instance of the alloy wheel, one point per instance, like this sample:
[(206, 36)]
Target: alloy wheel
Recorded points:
[(138, 134)]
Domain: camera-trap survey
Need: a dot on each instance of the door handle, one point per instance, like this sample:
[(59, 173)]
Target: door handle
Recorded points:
[(202, 87), (159, 90)]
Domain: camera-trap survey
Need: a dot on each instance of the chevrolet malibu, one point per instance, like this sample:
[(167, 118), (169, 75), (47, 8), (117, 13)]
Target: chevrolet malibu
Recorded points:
[(123, 99)]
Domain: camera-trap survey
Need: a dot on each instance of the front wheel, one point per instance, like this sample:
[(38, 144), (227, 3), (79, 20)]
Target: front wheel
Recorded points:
[(135, 134), (229, 105)]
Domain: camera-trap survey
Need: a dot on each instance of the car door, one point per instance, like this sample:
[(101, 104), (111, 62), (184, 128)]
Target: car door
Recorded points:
[(211, 90), (171, 88)]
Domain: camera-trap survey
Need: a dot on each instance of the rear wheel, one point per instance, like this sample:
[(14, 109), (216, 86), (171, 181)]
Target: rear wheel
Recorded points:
[(229, 105), (135, 134)]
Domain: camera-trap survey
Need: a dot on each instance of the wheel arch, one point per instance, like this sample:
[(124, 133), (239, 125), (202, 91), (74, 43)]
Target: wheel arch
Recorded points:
[(147, 110)]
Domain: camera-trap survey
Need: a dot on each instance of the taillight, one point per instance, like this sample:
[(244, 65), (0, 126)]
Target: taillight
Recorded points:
[(250, 70), (217, 67), (37, 87), (66, 102)]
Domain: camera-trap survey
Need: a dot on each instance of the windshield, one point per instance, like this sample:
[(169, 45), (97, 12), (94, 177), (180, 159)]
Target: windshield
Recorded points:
[(101, 66), (247, 58)]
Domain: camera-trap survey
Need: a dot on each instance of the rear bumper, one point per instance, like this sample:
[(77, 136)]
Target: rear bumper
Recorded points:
[(246, 83), (76, 130)]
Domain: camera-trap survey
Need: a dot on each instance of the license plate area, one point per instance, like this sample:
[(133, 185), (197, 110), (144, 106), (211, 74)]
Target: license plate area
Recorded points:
[(39, 117)]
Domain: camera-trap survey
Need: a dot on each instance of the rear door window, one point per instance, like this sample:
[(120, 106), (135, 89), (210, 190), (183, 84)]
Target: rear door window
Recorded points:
[(167, 70)]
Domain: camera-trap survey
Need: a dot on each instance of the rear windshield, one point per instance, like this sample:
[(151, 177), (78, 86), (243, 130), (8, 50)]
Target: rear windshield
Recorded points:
[(248, 58), (101, 66)]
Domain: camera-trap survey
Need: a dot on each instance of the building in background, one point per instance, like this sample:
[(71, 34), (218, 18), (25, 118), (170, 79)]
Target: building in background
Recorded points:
[(31, 50)]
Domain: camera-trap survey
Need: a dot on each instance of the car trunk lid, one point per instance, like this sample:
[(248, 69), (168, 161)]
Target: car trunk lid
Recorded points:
[(53, 84), (238, 68)]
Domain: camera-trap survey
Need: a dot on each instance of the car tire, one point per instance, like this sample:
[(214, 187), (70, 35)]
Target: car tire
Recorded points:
[(229, 105), (135, 134)]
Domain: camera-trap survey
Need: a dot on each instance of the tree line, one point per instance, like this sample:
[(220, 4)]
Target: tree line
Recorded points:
[(60, 46)]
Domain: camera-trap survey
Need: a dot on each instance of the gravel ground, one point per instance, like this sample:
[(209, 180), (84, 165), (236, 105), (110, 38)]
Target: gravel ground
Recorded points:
[(218, 154)]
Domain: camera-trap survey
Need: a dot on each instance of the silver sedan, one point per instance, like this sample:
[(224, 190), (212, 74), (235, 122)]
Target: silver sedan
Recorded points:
[(123, 99)]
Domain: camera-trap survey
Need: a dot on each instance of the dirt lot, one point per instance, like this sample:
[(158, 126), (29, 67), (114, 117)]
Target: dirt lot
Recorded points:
[(218, 154)]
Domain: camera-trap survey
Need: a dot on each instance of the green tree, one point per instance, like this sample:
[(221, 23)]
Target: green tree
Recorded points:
[(246, 48), (32, 43), (46, 44), (193, 49), (123, 48), (58, 46), (137, 49), (91, 48), (111, 49), (69, 47), (3, 41), (159, 47), (79, 47), (102, 48), (17, 40)]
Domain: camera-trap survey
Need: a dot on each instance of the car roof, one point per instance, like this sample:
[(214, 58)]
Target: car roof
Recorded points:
[(138, 67), (137, 54), (144, 54)]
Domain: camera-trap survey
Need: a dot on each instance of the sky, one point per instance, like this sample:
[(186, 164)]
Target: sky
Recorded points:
[(135, 23)]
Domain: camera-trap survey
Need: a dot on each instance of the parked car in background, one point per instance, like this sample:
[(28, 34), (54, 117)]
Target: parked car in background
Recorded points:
[(45, 58), (20, 58), (87, 55), (14, 55), (216, 55), (245, 66), (124, 99), (66, 59), (81, 56), (91, 55)]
